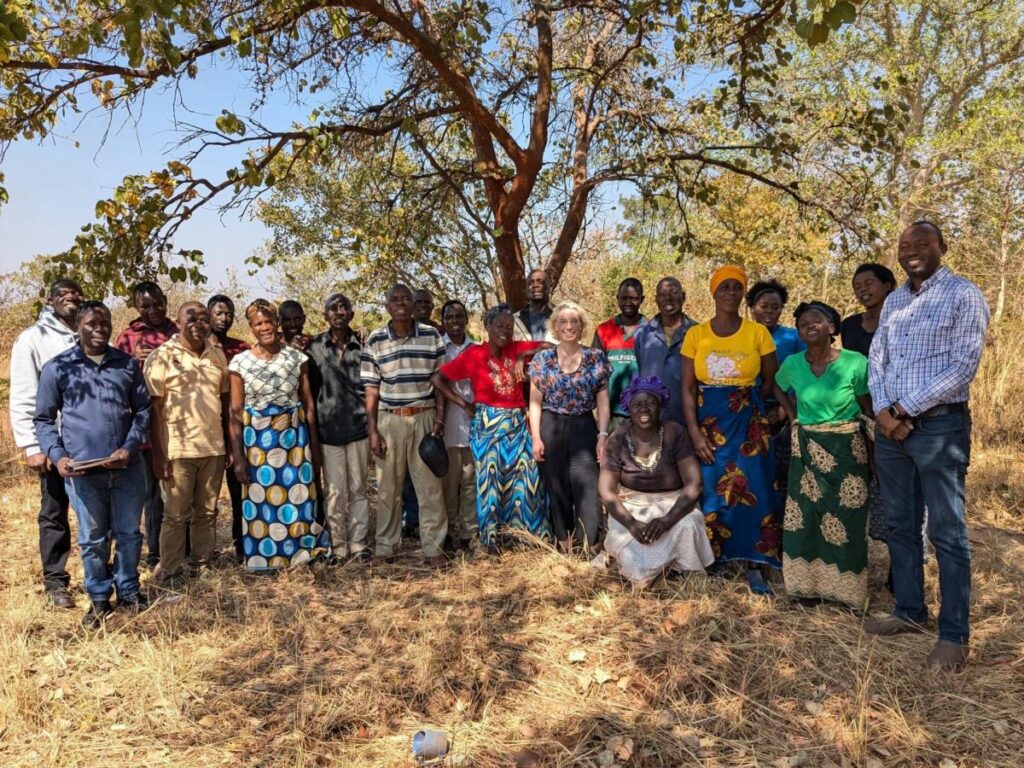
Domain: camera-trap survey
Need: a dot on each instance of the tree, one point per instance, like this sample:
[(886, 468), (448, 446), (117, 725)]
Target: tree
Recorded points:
[(524, 105)]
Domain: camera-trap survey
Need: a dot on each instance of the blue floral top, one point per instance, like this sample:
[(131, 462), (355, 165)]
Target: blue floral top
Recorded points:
[(570, 394)]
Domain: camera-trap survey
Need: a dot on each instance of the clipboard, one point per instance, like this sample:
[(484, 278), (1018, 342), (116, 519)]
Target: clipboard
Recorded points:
[(81, 466)]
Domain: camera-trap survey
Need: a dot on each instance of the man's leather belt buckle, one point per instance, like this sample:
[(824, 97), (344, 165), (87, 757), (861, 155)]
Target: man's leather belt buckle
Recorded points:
[(942, 410), (409, 411)]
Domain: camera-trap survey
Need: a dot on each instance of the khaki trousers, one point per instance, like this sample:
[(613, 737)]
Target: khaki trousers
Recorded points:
[(190, 501), (460, 493), (348, 511), (402, 435)]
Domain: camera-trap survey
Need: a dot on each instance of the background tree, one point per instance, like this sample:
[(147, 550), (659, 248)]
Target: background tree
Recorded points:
[(523, 104)]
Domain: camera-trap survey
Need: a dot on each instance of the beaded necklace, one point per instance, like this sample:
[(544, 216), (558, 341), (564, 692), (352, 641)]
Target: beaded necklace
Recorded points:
[(651, 462)]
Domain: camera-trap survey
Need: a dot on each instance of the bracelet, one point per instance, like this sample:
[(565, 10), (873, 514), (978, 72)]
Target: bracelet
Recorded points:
[(602, 434)]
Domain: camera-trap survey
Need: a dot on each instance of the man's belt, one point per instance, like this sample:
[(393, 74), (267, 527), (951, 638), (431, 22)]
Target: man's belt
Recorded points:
[(409, 410), (942, 410)]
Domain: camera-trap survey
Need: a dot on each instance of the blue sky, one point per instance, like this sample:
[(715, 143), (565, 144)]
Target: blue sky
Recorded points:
[(54, 186)]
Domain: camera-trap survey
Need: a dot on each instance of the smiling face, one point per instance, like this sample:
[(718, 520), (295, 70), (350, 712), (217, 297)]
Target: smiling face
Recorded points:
[(152, 308), (920, 251), (538, 286), (94, 330), (669, 297), (568, 326), (338, 313), (455, 321), (194, 323), (264, 328), (767, 309), (815, 328), (222, 317), (645, 410), (64, 302), (399, 304), (629, 300), (293, 320), (869, 290), (729, 296), (499, 332), (422, 306)]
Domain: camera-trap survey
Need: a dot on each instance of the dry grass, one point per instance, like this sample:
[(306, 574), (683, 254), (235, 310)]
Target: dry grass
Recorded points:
[(340, 667)]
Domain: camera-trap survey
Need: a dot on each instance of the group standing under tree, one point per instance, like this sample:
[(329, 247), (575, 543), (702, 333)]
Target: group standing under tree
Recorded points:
[(666, 445)]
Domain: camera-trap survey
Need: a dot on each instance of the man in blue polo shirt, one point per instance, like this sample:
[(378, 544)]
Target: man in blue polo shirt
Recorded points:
[(658, 344), (99, 396)]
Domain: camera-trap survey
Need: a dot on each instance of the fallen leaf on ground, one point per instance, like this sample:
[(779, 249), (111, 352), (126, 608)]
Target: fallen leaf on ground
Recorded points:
[(621, 747), (528, 731), (813, 707), (606, 759), (601, 676), (623, 683), (577, 655)]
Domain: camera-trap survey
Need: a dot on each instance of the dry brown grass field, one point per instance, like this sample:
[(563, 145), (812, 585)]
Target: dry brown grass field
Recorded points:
[(339, 667)]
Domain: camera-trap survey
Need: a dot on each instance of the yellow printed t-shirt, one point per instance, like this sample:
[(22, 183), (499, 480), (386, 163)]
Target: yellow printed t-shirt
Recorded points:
[(190, 387), (733, 360)]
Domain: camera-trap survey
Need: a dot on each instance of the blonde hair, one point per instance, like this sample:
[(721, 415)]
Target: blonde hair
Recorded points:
[(262, 307), (586, 325)]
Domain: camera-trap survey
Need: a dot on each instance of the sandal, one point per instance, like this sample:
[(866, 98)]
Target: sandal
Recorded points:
[(757, 584)]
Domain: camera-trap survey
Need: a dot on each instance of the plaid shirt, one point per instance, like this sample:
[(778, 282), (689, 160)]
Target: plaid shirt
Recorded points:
[(928, 344)]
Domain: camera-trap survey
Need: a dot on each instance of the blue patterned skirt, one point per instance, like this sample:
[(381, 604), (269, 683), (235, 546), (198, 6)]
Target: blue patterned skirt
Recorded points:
[(509, 492), (282, 522), (741, 506)]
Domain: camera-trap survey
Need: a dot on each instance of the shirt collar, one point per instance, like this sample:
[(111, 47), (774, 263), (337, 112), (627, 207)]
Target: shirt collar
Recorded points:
[(940, 275), (175, 342), (394, 336), (447, 340)]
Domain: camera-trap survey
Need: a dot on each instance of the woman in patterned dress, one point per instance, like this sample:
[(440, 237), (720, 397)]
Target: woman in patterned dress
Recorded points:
[(728, 365), (569, 382), (509, 495), (274, 453), (824, 540), (650, 484)]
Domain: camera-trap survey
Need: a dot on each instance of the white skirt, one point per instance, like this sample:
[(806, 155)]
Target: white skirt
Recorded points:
[(684, 547)]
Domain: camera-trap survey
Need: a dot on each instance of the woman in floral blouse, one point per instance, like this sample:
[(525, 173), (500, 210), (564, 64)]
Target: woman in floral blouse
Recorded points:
[(569, 382)]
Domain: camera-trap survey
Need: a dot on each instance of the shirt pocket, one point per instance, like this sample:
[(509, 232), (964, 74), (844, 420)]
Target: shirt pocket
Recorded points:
[(930, 334)]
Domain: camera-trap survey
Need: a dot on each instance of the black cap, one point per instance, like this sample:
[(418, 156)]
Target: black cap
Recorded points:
[(434, 454)]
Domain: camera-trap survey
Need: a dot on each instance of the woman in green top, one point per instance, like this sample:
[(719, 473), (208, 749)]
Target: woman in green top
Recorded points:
[(824, 539)]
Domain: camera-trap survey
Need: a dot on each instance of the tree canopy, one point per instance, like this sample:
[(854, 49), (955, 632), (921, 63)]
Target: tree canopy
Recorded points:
[(485, 113)]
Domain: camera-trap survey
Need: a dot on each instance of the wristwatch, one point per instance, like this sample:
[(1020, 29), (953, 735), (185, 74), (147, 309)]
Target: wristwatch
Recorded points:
[(894, 411)]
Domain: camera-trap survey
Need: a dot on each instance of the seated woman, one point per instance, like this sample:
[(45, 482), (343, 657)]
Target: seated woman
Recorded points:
[(650, 484), (824, 539)]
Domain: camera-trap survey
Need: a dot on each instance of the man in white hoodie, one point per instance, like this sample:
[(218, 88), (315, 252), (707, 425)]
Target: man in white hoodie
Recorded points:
[(53, 333)]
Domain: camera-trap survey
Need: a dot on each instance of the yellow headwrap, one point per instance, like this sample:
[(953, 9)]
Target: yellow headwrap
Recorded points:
[(728, 272)]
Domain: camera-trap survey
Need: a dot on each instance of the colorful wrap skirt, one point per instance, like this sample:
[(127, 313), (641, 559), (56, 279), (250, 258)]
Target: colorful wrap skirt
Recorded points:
[(509, 491), (282, 522), (741, 507), (824, 542)]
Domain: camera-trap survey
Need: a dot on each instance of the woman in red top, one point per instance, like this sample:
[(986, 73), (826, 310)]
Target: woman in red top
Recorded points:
[(509, 493)]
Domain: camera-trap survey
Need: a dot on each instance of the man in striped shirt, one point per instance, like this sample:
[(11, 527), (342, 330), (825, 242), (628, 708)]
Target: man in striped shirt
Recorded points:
[(922, 360), (401, 408)]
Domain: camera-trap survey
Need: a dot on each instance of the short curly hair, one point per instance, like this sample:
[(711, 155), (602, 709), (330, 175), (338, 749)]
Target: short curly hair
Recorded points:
[(761, 287)]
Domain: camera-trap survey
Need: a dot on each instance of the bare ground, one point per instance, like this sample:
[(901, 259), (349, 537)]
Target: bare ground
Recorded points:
[(339, 667)]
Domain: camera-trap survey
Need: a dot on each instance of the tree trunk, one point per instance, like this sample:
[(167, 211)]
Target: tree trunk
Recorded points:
[(509, 250)]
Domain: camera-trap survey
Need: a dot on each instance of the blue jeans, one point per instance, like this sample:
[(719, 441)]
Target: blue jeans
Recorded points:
[(929, 469), (108, 505)]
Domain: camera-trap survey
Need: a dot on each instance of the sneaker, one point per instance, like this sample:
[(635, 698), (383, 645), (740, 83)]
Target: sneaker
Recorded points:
[(98, 613), (60, 597), (135, 604)]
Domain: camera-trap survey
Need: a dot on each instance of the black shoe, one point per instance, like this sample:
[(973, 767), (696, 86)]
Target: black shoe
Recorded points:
[(60, 597), (98, 613), (410, 532), (135, 604)]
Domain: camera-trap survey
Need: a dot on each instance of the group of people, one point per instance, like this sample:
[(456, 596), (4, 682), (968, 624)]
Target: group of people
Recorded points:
[(649, 444)]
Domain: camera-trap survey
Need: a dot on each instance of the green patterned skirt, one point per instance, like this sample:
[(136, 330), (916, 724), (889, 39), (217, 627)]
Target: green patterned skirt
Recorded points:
[(824, 540)]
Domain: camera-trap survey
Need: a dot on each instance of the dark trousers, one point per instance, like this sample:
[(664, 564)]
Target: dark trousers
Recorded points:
[(410, 504), (570, 475), (929, 469), (152, 510), (54, 530), (235, 492)]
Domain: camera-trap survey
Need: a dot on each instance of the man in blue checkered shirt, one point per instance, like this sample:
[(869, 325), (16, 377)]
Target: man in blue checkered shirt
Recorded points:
[(922, 361)]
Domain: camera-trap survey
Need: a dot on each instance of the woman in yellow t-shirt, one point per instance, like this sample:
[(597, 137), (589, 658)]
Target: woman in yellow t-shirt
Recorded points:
[(724, 410)]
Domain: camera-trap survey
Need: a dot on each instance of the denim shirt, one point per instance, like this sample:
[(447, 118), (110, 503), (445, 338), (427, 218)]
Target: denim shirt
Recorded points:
[(102, 407), (655, 356)]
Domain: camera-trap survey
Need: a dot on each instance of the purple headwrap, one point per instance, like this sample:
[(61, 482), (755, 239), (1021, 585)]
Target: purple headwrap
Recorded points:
[(650, 384)]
